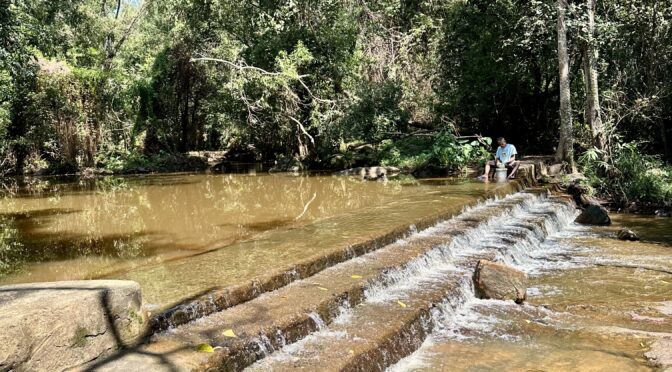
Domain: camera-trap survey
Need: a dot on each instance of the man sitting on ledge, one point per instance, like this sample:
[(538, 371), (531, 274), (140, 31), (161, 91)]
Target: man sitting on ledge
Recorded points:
[(506, 154)]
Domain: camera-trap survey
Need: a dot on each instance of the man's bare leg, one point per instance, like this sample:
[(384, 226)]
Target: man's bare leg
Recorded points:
[(486, 175), (516, 165)]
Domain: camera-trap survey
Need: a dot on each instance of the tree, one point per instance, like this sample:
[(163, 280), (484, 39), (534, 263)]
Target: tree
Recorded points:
[(593, 114), (565, 151)]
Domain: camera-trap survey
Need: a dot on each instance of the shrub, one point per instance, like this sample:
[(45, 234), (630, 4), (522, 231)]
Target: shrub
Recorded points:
[(629, 175), (445, 150), (456, 154)]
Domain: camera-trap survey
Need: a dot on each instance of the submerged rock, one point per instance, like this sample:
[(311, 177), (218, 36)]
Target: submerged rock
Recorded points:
[(594, 215), (662, 213), (500, 282), (60, 325), (370, 173), (660, 353), (627, 234)]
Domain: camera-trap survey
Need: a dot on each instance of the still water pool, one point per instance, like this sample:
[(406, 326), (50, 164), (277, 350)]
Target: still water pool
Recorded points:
[(181, 235)]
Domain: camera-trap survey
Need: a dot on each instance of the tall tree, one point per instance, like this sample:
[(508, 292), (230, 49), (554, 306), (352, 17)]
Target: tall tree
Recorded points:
[(593, 114), (565, 150)]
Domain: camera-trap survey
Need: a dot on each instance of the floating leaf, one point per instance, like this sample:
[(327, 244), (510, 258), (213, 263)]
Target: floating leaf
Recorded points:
[(356, 276), (229, 333), (205, 348), (401, 303), (322, 288)]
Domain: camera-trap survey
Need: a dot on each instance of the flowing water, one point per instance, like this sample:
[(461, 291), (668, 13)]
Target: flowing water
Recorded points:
[(595, 304), (181, 235)]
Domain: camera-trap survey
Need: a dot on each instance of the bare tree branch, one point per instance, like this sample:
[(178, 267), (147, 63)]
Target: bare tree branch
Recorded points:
[(303, 129)]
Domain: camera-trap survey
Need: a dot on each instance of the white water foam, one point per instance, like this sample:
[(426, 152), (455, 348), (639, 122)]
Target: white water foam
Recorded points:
[(515, 234), (539, 249), (440, 263)]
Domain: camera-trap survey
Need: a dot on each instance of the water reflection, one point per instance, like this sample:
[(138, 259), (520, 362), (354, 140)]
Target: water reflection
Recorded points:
[(232, 227), (649, 228)]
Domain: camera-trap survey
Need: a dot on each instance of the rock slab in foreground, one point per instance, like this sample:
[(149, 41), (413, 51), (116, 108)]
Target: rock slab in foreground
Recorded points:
[(59, 325), (499, 282), (594, 215)]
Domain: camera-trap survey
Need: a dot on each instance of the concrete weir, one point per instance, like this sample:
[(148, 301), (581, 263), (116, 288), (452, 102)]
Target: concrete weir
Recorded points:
[(360, 307), (363, 313)]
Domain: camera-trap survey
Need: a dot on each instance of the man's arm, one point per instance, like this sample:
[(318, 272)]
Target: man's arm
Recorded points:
[(514, 152)]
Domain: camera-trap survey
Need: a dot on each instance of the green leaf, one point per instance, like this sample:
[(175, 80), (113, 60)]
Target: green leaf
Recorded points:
[(229, 333), (205, 348)]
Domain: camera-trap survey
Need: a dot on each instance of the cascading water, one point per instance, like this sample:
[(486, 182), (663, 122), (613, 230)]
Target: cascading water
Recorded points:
[(582, 313), (527, 225), (515, 234)]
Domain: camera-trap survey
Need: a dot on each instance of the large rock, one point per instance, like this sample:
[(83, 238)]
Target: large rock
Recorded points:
[(499, 282), (594, 215), (59, 325), (627, 234)]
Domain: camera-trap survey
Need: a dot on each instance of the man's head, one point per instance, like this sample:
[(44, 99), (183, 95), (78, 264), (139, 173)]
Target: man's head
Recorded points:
[(501, 141)]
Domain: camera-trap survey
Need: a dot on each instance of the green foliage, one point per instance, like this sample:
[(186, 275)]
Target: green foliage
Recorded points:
[(454, 153), (409, 153), (499, 70), (444, 151), (84, 84), (5, 120), (629, 176)]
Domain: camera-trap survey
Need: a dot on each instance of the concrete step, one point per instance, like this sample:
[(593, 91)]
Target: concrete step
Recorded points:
[(375, 335), (292, 312)]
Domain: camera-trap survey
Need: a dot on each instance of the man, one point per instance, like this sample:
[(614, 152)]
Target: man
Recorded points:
[(506, 154)]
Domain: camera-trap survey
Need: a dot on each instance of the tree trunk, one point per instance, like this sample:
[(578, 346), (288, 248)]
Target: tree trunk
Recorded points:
[(663, 136), (565, 150), (593, 110)]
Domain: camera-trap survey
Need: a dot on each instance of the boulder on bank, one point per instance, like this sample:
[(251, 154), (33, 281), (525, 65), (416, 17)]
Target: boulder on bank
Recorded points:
[(594, 214), (627, 234), (61, 325), (500, 282)]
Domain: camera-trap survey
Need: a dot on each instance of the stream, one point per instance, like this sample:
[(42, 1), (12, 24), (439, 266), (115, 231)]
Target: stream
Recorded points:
[(595, 303)]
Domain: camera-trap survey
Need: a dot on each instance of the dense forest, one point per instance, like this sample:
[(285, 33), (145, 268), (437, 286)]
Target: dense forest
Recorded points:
[(330, 84)]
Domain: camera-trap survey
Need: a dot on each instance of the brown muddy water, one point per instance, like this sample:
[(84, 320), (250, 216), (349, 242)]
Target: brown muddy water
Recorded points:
[(595, 304), (181, 235)]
